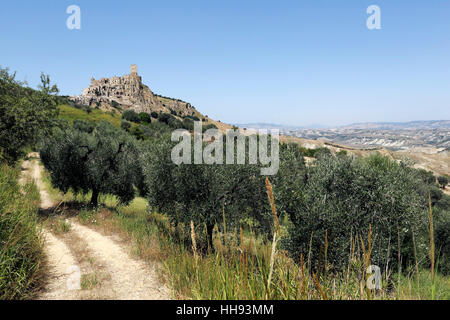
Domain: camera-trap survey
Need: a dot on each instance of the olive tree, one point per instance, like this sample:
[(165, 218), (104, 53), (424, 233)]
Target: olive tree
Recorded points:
[(342, 196), (203, 193), (103, 161), (289, 180)]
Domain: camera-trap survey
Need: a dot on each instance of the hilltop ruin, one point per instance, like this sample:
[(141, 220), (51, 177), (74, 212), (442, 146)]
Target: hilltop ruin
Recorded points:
[(128, 92)]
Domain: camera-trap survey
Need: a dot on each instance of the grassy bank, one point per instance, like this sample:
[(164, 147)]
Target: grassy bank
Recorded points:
[(21, 254), (95, 115)]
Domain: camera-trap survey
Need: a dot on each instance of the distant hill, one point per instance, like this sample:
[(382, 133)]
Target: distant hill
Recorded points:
[(263, 125), (425, 124), (429, 124)]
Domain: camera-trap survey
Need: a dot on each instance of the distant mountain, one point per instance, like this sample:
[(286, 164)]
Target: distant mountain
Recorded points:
[(263, 125), (426, 124)]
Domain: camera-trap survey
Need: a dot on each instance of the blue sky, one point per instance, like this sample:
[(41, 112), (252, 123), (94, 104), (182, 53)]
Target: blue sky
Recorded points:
[(289, 62)]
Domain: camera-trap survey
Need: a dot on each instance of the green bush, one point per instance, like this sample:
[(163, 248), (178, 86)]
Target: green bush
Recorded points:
[(125, 125), (443, 245), (427, 176), (116, 105), (131, 115), (441, 213), (192, 117), (170, 120), (188, 124), (137, 132), (443, 181), (145, 117), (289, 180), (208, 126), (154, 115), (164, 117), (83, 125), (24, 114)]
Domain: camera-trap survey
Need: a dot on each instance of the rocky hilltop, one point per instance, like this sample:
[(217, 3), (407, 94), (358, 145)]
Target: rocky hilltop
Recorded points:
[(128, 92)]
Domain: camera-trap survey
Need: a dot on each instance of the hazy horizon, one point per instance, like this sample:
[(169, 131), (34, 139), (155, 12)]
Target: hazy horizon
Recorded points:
[(324, 126)]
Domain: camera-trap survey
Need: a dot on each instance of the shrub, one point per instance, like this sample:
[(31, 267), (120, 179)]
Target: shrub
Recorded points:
[(441, 213), (208, 126), (442, 236), (188, 124), (125, 125), (155, 130), (443, 181), (164, 117), (137, 132), (145, 117), (116, 105), (84, 126), (154, 115), (322, 152), (24, 114), (131, 115), (21, 254), (192, 117), (289, 180), (341, 153), (170, 120), (427, 176)]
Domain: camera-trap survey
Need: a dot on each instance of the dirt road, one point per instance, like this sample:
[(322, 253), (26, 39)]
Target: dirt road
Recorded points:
[(84, 264)]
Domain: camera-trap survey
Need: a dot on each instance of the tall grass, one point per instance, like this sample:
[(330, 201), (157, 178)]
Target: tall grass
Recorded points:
[(432, 250), (21, 253)]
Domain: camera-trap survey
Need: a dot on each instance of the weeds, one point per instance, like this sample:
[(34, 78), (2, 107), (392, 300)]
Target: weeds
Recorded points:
[(89, 281), (21, 254), (60, 225)]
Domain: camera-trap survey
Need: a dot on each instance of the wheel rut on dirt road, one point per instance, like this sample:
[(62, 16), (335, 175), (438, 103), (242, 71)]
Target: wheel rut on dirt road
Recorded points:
[(124, 278)]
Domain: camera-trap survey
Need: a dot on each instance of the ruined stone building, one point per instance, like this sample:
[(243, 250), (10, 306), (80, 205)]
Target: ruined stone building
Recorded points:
[(128, 92)]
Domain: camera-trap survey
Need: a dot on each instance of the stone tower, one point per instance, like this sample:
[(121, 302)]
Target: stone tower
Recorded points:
[(133, 69)]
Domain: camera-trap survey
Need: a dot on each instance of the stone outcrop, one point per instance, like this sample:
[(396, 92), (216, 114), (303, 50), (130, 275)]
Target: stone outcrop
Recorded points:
[(128, 92)]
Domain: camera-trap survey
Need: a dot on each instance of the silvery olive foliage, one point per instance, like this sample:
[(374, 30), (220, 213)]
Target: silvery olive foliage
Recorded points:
[(343, 196), (204, 193), (101, 160)]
